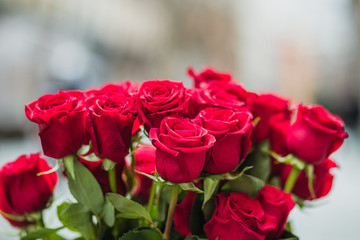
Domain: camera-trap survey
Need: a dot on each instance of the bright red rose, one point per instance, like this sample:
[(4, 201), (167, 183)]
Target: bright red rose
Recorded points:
[(278, 204), (22, 191), (126, 88), (182, 214), (181, 148), (207, 75), (232, 131), (238, 216), (102, 176), (323, 179), (62, 121), (270, 109), (111, 122), (158, 99), (315, 134), (144, 162)]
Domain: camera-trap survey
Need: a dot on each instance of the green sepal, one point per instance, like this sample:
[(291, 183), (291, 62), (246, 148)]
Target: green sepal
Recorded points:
[(246, 183)]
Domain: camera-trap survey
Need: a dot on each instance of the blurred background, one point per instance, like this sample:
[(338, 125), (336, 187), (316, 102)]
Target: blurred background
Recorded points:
[(305, 50)]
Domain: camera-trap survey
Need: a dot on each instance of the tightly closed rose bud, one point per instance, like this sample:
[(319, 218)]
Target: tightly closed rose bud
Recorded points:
[(315, 134), (111, 121), (232, 131), (270, 109), (144, 162), (22, 191), (181, 148), (207, 75), (323, 179), (238, 216), (158, 99), (62, 121)]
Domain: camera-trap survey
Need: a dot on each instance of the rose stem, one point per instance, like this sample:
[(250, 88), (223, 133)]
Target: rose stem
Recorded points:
[(151, 197), (112, 179), (170, 215), (291, 179)]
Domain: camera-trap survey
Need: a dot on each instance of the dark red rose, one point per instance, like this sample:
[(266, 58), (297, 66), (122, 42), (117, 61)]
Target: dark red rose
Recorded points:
[(22, 191), (207, 75), (158, 99), (322, 181), (277, 203), (181, 148), (182, 214), (315, 134), (111, 122), (62, 121), (270, 109), (232, 131), (238, 216), (144, 162), (102, 176)]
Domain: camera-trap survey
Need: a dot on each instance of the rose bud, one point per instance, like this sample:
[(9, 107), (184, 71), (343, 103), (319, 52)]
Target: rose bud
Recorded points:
[(239, 216), (270, 109), (158, 99), (62, 121), (207, 75), (315, 134), (232, 131), (102, 176), (144, 162), (22, 191), (111, 120), (181, 148), (323, 179)]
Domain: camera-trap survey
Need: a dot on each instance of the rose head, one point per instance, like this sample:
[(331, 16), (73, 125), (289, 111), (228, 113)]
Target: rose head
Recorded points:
[(123, 88), (232, 131), (207, 75), (181, 149), (270, 109), (158, 99), (323, 179), (144, 162), (62, 121), (111, 120), (238, 216), (315, 134), (22, 191)]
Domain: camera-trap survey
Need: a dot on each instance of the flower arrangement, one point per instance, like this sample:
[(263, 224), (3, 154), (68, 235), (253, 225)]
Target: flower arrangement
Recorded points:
[(160, 161)]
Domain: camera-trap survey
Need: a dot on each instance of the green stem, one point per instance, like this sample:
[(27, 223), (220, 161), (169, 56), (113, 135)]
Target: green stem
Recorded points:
[(151, 197), (173, 200), (291, 179), (112, 179)]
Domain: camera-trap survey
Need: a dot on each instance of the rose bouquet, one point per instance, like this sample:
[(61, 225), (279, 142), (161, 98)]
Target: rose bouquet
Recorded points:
[(160, 161)]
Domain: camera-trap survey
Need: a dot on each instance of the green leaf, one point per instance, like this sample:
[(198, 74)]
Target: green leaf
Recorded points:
[(190, 186), (128, 208), (69, 166), (86, 189), (211, 187), (288, 236), (246, 183), (78, 218), (197, 220), (108, 214), (260, 160), (40, 233), (143, 234)]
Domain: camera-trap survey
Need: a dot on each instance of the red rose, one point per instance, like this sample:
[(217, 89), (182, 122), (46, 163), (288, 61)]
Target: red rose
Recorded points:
[(22, 191), (158, 99), (182, 214), (238, 216), (102, 176), (270, 109), (144, 162), (181, 148), (125, 88), (207, 75), (62, 121), (111, 122), (278, 204), (232, 131), (323, 180), (315, 134)]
